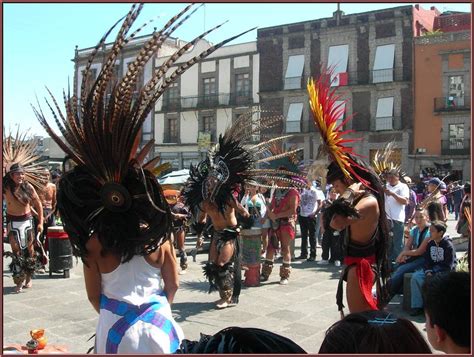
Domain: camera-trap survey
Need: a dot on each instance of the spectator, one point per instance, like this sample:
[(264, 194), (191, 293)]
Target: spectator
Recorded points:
[(447, 300), (310, 205), (463, 226), (412, 200), (373, 332), (439, 256), (321, 197), (238, 340), (396, 197), (332, 239), (265, 194), (411, 258), (457, 192), (437, 208)]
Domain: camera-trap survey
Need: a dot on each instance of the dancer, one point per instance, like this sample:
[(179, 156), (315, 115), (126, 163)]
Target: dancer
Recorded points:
[(22, 175), (360, 210), (228, 165), (111, 205), (181, 214)]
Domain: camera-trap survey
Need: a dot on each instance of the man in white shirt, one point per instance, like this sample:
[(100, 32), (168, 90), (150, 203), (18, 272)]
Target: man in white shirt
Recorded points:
[(309, 208), (397, 195)]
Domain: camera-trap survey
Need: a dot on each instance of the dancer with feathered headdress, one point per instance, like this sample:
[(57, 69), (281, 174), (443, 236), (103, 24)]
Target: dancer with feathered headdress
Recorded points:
[(112, 207), (228, 166), (361, 208), (22, 176)]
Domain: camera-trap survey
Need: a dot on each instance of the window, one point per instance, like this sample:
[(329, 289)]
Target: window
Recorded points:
[(209, 92), (456, 136), (337, 60), (294, 71), (341, 108), (384, 115), (242, 84), (173, 134), (455, 91), (383, 64), (172, 96), (208, 125), (209, 87), (293, 119)]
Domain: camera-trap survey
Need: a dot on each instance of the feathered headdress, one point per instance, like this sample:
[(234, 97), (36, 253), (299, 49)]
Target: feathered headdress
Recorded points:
[(19, 152), (383, 163), (326, 111), (112, 191), (233, 162)]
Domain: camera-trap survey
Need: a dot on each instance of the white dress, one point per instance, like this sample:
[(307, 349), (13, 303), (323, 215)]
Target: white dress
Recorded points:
[(135, 316)]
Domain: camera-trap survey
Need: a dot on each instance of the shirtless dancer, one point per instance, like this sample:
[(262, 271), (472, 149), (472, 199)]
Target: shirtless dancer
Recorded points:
[(360, 212), (223, 268), (21, 198), (48, 200)]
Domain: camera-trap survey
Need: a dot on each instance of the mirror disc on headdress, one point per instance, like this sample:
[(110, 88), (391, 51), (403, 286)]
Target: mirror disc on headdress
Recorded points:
[(115, 197)]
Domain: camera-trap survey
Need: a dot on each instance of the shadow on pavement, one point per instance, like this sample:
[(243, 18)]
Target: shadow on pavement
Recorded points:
[(183, 310), (202, 286)]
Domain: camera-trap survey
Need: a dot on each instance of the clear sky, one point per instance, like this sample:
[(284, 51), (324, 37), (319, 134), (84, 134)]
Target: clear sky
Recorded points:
[(39, 39)]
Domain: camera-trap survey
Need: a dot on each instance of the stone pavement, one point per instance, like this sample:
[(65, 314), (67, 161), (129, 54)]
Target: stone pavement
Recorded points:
[(301, 310)]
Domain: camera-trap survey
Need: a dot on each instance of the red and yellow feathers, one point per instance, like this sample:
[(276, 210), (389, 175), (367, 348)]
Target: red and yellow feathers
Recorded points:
[(326, 111)]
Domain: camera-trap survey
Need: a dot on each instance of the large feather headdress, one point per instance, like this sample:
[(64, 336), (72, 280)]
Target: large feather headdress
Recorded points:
[(112, 191), (325, 110), (20, 148), (233, 161), (383, 163)]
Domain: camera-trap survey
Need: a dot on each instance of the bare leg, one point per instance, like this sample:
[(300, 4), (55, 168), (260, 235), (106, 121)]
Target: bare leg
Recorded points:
[(224, 256), (355, 300)]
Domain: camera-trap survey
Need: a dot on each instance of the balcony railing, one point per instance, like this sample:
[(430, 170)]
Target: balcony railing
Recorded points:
[(241, 98), (171, 104), (449, 104), (170, 139), (455, 146)]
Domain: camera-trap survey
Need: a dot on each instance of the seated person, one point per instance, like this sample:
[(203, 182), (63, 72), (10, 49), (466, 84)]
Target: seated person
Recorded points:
[(240, 340), (440, 256), (373, 331), (411, 258), (447, 301)]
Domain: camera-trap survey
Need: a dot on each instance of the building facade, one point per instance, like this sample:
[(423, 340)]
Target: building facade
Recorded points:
[(372, 57), (204, 101), (442, 124), (127, 55)]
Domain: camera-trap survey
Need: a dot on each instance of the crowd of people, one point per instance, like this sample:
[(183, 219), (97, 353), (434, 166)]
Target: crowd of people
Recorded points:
[(128, 232)]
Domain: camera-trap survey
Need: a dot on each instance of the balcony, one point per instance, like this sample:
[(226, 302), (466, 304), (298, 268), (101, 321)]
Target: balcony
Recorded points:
[(170, 139), (207, 101), (387, 123), (241, 98), (171, 104), (451, 104), (455, 146)]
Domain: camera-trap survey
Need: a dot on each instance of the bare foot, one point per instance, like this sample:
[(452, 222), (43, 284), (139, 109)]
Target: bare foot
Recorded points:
[(18, 289), (28, 285)]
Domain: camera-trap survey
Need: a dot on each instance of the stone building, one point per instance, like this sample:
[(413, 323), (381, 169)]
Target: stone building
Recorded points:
[(372, 53), (204, 101), (127, 55), (442, 120)]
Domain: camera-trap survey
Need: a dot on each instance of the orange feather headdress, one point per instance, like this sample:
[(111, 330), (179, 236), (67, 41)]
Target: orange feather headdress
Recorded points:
[(322, 100)]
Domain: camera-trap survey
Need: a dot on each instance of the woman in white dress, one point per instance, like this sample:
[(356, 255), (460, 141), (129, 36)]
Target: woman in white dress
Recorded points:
[(110, 202)]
